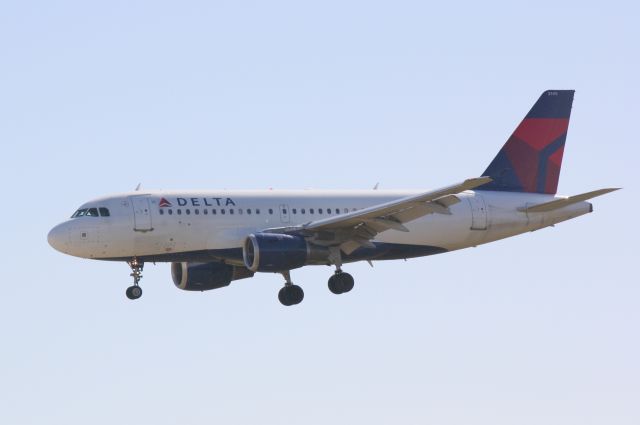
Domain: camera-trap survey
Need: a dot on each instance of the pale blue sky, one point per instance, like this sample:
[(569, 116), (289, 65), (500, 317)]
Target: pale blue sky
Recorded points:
[(98, 96)]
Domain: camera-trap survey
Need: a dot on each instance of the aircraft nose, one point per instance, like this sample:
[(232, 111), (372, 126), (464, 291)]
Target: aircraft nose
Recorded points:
[(57, 237)]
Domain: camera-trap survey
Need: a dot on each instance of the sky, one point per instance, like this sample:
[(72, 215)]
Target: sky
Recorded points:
[(96, 97)]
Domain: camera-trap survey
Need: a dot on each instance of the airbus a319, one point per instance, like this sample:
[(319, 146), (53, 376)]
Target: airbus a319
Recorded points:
[(212, 238)]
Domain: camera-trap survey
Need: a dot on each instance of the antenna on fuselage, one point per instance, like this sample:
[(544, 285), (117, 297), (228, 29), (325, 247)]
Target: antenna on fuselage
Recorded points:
[(376, 186), (137, 187)]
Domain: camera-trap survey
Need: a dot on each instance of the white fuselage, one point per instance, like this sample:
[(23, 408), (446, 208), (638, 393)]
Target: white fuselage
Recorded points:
[(191, 225)]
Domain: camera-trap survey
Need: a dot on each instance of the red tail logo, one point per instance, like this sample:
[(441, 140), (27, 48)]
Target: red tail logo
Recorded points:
[(164, 203), (530, 161)]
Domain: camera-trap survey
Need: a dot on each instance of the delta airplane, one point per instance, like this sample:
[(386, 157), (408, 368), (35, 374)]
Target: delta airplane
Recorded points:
[(215, 237)]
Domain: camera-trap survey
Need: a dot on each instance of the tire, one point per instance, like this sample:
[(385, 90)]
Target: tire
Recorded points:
[(297, 294), (283, 297), (134, 292), (335, 284), (291, 295), (347, 282)]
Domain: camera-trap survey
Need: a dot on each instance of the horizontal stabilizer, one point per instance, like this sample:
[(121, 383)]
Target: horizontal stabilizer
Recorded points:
[(560, 203)]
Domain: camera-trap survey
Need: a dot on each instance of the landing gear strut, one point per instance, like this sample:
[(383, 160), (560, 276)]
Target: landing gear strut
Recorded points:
[(290, 294), (135, 291)]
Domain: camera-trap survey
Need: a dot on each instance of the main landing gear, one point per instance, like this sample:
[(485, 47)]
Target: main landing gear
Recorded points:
[(340, 282), (290, 294), (135, 291)]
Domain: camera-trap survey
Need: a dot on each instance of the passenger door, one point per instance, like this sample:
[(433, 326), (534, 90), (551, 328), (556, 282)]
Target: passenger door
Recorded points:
[(141, 214)]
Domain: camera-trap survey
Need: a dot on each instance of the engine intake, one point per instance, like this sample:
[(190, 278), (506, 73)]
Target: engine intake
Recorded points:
[(274, 252), (206, 276)]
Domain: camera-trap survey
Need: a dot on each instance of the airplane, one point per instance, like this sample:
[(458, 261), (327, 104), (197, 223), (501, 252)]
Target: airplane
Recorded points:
[(212, 238)]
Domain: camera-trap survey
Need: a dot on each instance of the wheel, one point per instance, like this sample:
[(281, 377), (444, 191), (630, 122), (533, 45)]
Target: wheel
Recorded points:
[(347, 282), (291, 295), (341, 283), (297, 294), (335, 284), (283, 296), (134, 292)]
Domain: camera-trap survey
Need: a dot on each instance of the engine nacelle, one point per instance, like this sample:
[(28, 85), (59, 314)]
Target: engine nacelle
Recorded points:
[(274, 252), (206, 276)]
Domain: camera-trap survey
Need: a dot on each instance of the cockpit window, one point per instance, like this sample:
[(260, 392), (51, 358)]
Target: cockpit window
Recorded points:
[(81, 212), (91, 212)]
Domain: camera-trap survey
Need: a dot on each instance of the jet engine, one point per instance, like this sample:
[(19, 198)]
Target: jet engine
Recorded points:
[(206, 276), (274, 252)]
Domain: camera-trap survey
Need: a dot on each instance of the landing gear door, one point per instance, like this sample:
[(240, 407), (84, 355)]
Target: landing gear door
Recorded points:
[(141, 214), (478, 212), (284, 213)]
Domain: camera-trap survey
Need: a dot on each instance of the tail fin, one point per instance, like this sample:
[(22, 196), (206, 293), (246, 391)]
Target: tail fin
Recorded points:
[(530, 161)]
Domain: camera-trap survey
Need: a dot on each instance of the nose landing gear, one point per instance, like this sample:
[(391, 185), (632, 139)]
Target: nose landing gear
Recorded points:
[(135, 291)]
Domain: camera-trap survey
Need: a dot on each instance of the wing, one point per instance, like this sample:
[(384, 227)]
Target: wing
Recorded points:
[(352, 230)]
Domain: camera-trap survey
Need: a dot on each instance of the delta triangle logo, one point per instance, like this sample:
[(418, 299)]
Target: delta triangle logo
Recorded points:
[(164, 203)]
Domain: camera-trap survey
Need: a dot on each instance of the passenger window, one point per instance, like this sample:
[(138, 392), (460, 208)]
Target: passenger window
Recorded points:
[(311, 211), (230, 210), (170, 212), (319, 210), (161, 211), (248, 210), (214, 211), (196, 211), (257, 210), (295, 211), (302, 211), (104, 212), (205, 211), (270, 211), (240, 211), (179, 211), (222, 211)]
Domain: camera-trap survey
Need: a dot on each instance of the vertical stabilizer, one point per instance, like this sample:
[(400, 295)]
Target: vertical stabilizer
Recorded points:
[(530, 161)]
